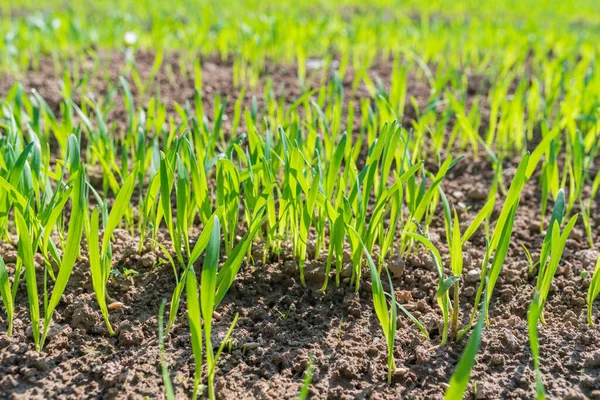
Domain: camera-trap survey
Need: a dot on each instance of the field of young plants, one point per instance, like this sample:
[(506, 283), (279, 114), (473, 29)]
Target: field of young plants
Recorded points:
[(286, 199)]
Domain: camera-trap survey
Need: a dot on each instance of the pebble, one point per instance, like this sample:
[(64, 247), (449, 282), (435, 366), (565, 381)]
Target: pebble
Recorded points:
[(148, 260), (477, 194), (588, 257), (593, 360), (396, 266), (574, 394), (534, 226), (458, 194), (290, 267), (346, 270), (497, 359), (509, 340), (577, 234), (130, 334), (483, 391), (473, 275), (403, 296), (400, 371), (251, 345), (54, 330), (85, 317), (8, 382), (314, 271), (258, 314)]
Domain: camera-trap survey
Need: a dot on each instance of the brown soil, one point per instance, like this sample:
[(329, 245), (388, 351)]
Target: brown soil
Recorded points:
[(282, 325), (176, 86)]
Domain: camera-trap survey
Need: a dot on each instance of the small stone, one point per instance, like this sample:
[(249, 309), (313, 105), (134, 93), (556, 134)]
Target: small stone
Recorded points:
[(467, 260), (115, 305), (497, 359), (290, 267), (574, 394), (396, 266), (576, 234), (477, 194), (148, 260), (54, 330), (258, 314), (130, 334), (10, 258), (458, 194), (403, 296), (346, 270), (8, 382), (483, 392), (588, 257), (314, 272), (473, 275), (534, 226), (593, 360), (85, 317), (423, 355), (250, 346), (346, 370), (509, 340), (469, 291)]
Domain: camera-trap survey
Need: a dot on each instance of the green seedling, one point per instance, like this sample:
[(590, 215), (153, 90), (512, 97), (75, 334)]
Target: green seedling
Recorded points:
[(593, 291)]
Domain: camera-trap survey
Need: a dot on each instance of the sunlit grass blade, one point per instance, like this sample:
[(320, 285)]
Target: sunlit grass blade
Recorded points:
[(500, 254), (207, 295), (98, 283), (6, 296), (71, 251), (169, 394), (195, 322), (25, 251), (460, 378), (533, 316), (593, 291)]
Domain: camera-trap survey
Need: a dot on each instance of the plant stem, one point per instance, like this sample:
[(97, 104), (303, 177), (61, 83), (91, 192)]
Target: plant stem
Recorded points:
[(455, 310)]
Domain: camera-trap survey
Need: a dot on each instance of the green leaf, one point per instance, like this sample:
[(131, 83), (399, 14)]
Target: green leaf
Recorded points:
[(195, 323), (5, 294), (71, 251), (593, 290), (25, 251), (557, 215), (446, 285), (501, 252), (456, 256), (169, 394), (234, 261), (512, 198), (462, 373), (485, 211), (533, 316), (98, 282), (209, 275), (431, 247), (118, 209)]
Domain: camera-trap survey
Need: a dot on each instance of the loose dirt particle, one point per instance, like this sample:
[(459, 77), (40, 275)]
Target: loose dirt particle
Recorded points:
[(85, 317)]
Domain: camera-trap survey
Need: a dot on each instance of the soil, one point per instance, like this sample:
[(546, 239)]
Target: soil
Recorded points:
[(283, 326)]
